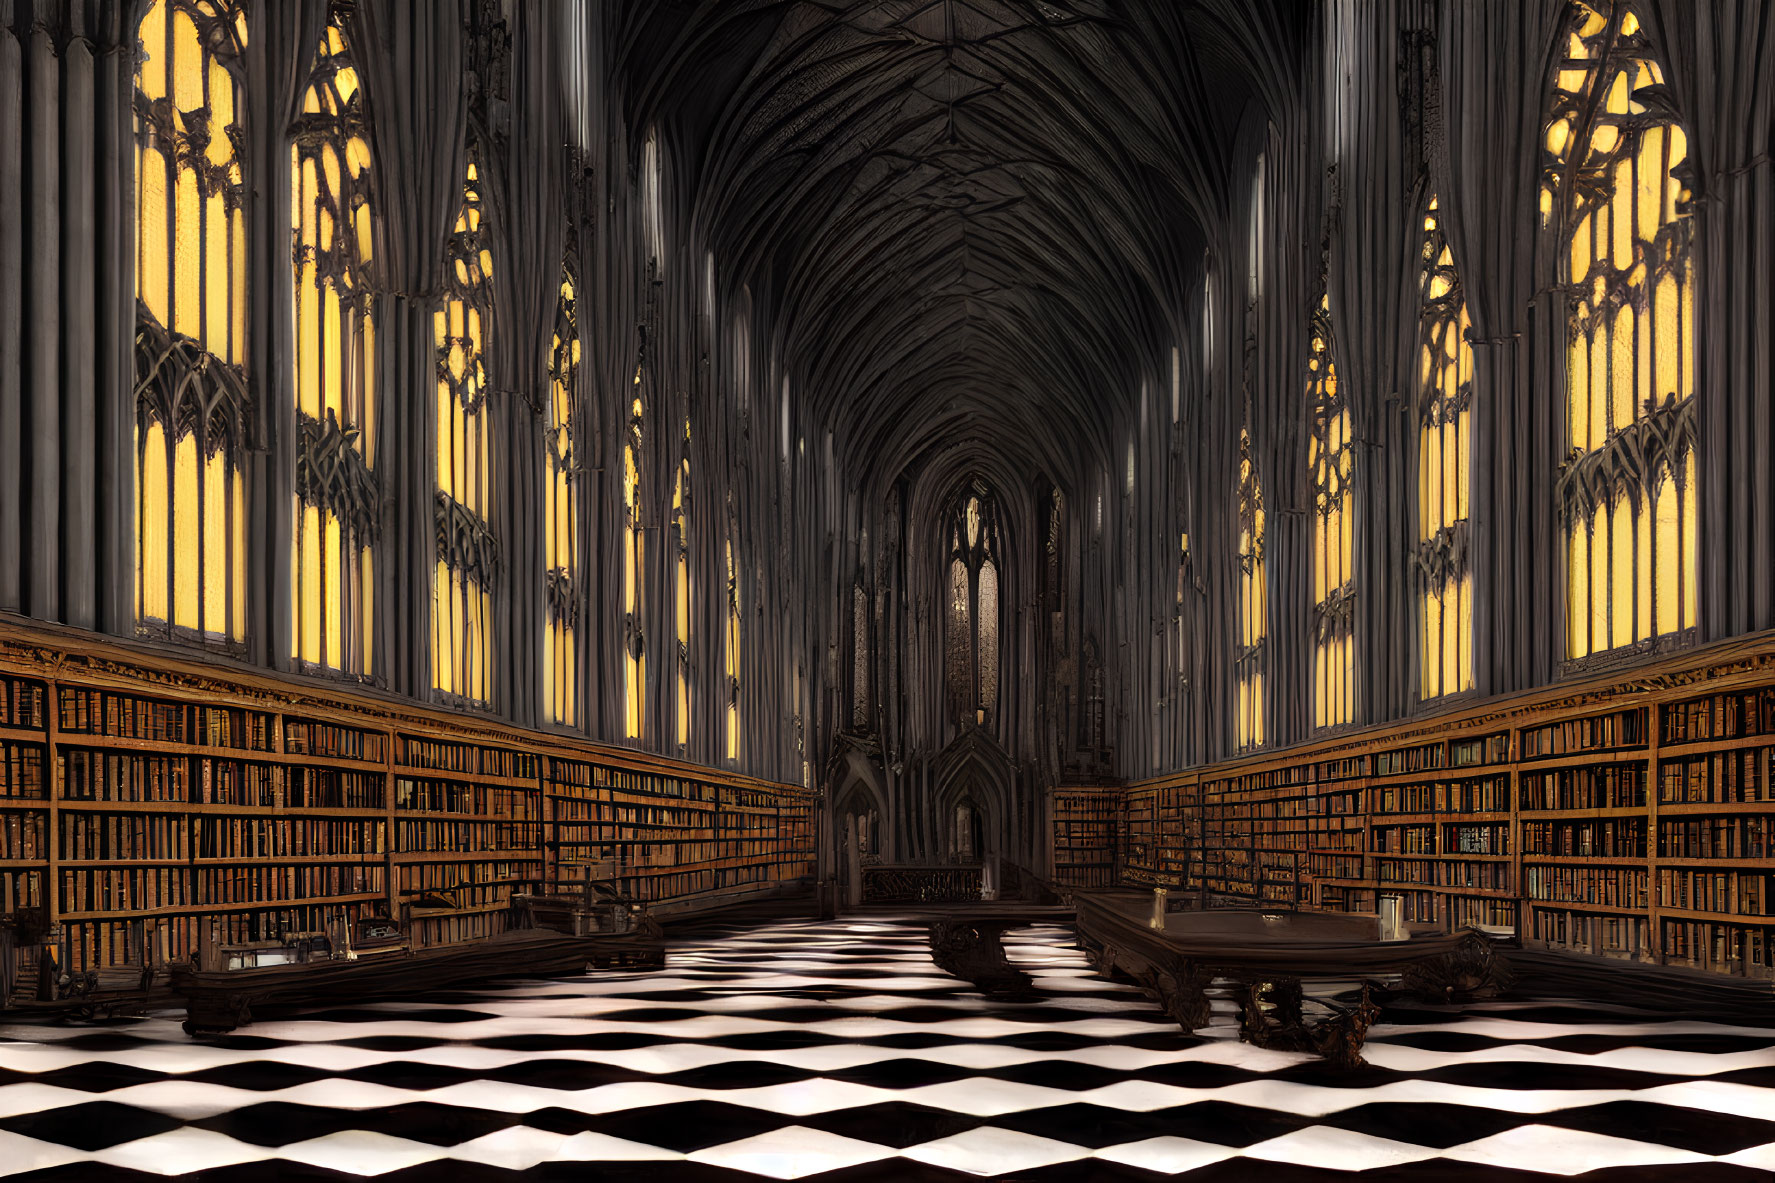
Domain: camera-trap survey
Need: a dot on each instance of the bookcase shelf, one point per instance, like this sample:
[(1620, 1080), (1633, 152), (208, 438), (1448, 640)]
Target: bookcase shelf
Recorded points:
[(145, 795), (1629, 815)]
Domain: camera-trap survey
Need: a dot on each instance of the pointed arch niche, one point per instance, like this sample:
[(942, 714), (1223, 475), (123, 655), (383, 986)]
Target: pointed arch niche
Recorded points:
[(971, 621)]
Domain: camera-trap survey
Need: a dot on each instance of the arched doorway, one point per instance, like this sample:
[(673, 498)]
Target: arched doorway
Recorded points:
[(967, 841)]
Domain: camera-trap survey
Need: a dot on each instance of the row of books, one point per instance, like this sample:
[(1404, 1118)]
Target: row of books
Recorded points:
[(21, 835), (1470, 911), (21, 771), (1619, 729), (124, 776), (21, 703), (105, 775), (448, 838), (309, 738), (1720, 777), (1476, 839), (1613, 887), (1403, 839), (451, 796), (244, 837), (1737, 837), (126, 890), (93, 944), (272, 884), (20, 889), (1480, 749), (128, 716), (1423, 758), (1335, 866), (471, 884), (1731, 715), (1388, 870), (1609, 786), (334, 788), (474, 759), (1742, 893), (1620, 837), (141, 836), (1617, 936), (1458, 874), (1727, 948)]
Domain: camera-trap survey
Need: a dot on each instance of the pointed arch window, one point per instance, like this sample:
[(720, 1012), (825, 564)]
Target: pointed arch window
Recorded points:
[(972, 643), (561, 514), (1248, 663), (861, 706), (733, 652), (467, 551), (1616, 195), (336, 503), (652, 206), (1331, 462), (634, 559), (1444, 410), (193, 406), (681, 587)]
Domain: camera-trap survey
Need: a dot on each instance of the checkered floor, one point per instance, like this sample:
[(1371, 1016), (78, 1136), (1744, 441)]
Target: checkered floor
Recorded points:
[(836, 1051)]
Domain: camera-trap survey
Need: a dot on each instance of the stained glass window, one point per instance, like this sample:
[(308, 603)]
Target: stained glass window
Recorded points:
[(1615, 195), (1248, 663), (561, 510), (634, 661), (733, 655), (681, 589), (1445, 434), (972, 644), (336, 505), (1330, 462), (467, 553), (192, 395)]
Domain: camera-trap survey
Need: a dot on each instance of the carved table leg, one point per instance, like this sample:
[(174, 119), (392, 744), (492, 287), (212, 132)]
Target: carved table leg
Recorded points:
[(1339, 1039), (1281, 1025), (1182, 988), (1285, 1001), (975, 953)]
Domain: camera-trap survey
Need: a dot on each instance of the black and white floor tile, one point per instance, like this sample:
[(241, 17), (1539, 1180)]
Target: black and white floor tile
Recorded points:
[(835, 1051)]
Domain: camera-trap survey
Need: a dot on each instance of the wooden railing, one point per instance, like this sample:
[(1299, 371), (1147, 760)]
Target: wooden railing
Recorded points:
[(937, 884), (142, 788), (1628, 815)]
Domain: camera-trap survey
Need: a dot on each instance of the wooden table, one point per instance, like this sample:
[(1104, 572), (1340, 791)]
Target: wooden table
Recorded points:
[(1266, 953), (967, 940)]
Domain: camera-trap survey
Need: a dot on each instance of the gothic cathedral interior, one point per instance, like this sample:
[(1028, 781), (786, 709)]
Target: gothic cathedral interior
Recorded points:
[(892, 590)]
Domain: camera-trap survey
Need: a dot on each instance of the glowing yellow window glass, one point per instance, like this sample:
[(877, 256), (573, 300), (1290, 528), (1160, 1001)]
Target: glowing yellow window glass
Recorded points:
[(461, 644), (336, 500), (1445, 392), (681, 591), (634, 659), (1252, 601), (1623, 218), (972, 635), (192, 393), (733, 655), (1331, 462), (561, 510)]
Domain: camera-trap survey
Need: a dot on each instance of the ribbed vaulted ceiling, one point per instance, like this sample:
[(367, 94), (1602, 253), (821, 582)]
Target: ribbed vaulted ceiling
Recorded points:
[(973, 221)]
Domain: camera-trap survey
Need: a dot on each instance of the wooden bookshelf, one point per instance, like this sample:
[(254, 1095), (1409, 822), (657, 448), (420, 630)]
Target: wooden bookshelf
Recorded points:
[(1628, 816), (1087, 827), (145, 792)]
